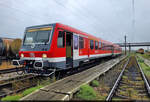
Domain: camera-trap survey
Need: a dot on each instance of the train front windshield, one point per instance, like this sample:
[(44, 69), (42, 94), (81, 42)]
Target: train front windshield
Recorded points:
[(37, 36)]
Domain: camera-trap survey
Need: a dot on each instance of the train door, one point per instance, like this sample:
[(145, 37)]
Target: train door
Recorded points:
[(69, 49), (88, 48), (75, 50), (112, 48)]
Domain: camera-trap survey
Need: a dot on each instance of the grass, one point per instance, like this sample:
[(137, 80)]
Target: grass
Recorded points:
[(124, 77), (86, 93), (11, 98), (141, 60), (19, 96), (124, 86), (116, 99), (102, 97), (145, 55), (138, 78), (30, 90), (146, 69), (95, 83)]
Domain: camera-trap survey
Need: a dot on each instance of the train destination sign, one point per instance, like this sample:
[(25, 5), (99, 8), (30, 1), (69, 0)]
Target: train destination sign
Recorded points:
[(40, 29)]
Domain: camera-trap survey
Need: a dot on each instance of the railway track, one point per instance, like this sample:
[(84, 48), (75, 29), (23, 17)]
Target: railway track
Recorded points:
[(131, 83), (11, 74), (16, 85)]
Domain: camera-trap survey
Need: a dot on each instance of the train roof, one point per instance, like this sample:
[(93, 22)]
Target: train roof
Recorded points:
[(83, 33), (69, 28)]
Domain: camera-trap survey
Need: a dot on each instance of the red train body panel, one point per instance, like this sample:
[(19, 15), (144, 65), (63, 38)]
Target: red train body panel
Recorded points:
[(60, 46)]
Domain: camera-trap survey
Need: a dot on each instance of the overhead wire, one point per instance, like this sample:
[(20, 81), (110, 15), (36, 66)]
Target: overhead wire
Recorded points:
[(39, 20), (20, 11), (76, 13)]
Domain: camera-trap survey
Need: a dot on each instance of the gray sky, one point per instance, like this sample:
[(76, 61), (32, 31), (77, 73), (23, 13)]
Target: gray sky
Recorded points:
[(107, 19)]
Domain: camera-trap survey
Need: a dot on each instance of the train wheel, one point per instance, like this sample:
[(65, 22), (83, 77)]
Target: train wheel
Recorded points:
[(20, 71)]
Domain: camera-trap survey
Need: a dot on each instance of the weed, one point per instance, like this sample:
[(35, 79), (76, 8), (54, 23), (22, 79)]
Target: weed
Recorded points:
[(11, 98), (95, 83), (146, 69), (124, 77)]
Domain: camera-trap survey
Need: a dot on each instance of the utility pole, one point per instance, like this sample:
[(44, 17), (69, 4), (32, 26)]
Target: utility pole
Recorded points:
[(125, 37), (133, 19), (129, 48)]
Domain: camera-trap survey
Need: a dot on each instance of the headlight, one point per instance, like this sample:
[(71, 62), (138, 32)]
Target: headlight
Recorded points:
[(44, 56), (22, 55)]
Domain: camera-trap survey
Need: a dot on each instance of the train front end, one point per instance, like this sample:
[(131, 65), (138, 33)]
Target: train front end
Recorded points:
[(35, 50)]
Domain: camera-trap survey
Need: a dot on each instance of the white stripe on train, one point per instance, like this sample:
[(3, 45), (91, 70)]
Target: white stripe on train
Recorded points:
[(60, 59)]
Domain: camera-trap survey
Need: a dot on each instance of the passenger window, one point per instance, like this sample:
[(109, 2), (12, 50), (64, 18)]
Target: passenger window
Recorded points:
[(81, 42), (75, 42), (61, 39), (91, 44), (103, 46), (96, 45), (100, 45)]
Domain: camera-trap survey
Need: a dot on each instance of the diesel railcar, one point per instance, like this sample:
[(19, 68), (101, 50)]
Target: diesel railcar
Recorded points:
[(141, 51), (60, 47)]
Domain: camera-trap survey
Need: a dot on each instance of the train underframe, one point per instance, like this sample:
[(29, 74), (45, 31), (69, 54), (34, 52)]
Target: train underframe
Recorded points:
[(45, 68)]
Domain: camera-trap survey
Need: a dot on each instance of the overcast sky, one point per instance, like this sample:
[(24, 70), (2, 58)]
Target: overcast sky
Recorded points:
[(107, 19)]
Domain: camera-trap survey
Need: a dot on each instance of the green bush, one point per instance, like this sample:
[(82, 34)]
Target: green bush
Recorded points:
[(86, 93), (95, 83), (140, 60)]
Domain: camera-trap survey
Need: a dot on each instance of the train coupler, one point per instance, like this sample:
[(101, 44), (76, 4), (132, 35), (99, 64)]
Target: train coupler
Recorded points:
[(18, 62)]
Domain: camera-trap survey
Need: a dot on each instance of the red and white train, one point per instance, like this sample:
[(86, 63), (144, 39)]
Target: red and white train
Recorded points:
[(58, 46)]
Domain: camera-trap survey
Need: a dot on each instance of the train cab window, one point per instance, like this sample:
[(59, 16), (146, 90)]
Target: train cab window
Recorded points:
[(96, 45), (91, 44), (61, 39), (81, 42), (100, 45)]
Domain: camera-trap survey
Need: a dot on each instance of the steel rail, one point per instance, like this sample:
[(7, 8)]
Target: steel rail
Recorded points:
[(116, 83), (10, 70), (144, 77)]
